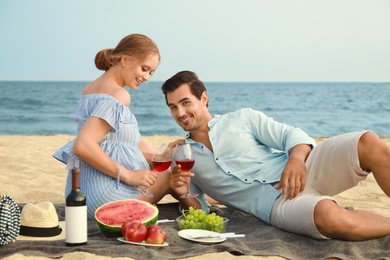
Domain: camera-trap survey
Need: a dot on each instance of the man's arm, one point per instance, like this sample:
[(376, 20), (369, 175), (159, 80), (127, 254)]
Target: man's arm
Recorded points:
[(293, 178)]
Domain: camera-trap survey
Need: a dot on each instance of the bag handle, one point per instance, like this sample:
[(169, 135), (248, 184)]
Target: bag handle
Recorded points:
[(9, 220)]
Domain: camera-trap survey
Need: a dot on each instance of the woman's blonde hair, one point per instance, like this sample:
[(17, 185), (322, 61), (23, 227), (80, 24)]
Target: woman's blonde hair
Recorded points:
[(136, 46)]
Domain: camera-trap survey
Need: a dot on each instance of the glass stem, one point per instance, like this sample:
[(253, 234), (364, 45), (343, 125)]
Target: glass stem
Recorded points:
[(188, 184)]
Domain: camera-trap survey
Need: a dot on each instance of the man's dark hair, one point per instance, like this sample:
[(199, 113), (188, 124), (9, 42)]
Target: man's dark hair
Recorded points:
[(184, 77)]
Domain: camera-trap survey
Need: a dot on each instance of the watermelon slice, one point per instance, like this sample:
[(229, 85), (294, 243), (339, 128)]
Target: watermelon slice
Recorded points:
[(112, 215)]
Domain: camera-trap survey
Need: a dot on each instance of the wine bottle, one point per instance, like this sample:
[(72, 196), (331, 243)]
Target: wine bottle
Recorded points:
[(76, 229)]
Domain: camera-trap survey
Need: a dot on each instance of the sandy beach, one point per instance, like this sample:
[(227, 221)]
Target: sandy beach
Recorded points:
[(29, 173)]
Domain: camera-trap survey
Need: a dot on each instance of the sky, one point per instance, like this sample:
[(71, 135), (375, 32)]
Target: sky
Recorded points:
[(220, 40)]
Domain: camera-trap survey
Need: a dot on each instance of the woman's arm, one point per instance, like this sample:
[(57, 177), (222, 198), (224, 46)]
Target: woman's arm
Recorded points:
[(87, 148), (147, 150)]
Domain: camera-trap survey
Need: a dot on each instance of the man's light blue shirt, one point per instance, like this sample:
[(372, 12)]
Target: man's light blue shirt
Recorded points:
[(250, 151)]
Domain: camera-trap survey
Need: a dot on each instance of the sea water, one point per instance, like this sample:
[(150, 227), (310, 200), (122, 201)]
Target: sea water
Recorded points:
[(319, 108)]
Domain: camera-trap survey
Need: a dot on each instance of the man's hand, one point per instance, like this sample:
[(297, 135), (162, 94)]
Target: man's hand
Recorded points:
[(178, 184), (173, 144), (293, 180), (178, 180)]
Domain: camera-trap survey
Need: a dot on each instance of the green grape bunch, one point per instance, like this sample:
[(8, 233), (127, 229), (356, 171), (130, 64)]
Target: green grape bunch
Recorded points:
[(198, 219)]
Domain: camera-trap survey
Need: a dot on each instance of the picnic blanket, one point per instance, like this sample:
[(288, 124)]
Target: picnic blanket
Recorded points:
[(260, 240)]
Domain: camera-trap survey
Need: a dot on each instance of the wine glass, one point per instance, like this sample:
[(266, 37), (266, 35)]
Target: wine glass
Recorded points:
[(185, 158), (161, 161)]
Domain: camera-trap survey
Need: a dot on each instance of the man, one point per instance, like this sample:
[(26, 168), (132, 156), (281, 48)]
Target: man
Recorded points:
[(248, 161)]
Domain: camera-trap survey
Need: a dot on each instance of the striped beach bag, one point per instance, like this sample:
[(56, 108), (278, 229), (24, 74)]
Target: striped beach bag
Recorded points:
[(9, 220)]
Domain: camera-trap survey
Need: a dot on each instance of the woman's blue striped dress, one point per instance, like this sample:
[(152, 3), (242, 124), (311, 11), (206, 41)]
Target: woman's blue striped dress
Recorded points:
[(121, 144)]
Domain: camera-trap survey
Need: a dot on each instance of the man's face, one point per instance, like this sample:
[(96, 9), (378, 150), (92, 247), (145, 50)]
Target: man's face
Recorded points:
[(186, 109)]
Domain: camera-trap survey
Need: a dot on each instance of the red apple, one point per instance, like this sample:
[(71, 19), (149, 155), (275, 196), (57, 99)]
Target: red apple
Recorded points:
[(135, 231), (156, 235), (124, 227)]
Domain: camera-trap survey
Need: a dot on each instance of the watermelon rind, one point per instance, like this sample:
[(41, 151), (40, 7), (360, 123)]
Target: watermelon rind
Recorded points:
[(112, 215)]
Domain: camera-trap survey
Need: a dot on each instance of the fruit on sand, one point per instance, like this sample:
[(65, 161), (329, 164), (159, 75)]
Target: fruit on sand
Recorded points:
[(135, 231), (156, 235), (111, 216)]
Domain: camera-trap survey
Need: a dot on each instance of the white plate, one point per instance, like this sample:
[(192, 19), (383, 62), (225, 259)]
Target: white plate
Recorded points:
[(143, 243), (189, 234)]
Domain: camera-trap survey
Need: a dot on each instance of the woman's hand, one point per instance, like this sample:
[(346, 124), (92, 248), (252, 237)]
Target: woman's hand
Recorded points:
[(141, 178)]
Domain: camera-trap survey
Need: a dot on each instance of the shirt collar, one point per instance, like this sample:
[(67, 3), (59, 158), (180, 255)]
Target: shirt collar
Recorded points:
[(213, 121), (210, 124)]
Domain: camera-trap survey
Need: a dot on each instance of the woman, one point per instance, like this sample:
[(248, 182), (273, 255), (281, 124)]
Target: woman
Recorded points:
[(108, 142)]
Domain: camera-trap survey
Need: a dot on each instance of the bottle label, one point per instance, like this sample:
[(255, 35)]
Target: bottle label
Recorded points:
[(76, 228)]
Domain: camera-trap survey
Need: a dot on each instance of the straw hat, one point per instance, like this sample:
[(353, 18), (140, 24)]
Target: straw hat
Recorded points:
[(40, 222)]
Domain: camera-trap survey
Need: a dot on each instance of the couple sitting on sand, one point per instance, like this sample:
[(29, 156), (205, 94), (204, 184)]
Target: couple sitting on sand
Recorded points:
[(236, 162)]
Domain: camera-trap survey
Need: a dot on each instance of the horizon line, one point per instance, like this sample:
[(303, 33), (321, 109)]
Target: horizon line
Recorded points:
[(213, 81)]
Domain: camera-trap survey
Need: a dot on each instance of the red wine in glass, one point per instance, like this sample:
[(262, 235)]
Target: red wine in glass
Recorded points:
[(186, 165), (161, 161), (160, 166), (185, 158)]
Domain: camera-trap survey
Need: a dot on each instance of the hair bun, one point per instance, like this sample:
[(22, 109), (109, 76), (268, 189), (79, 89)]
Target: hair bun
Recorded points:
[(103, 59)]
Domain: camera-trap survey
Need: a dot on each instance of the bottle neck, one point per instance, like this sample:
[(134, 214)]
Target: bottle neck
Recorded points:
[(75, 179)]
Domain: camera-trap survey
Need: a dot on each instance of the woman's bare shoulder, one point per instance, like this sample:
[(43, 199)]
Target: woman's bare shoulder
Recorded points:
[(122, 95)]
